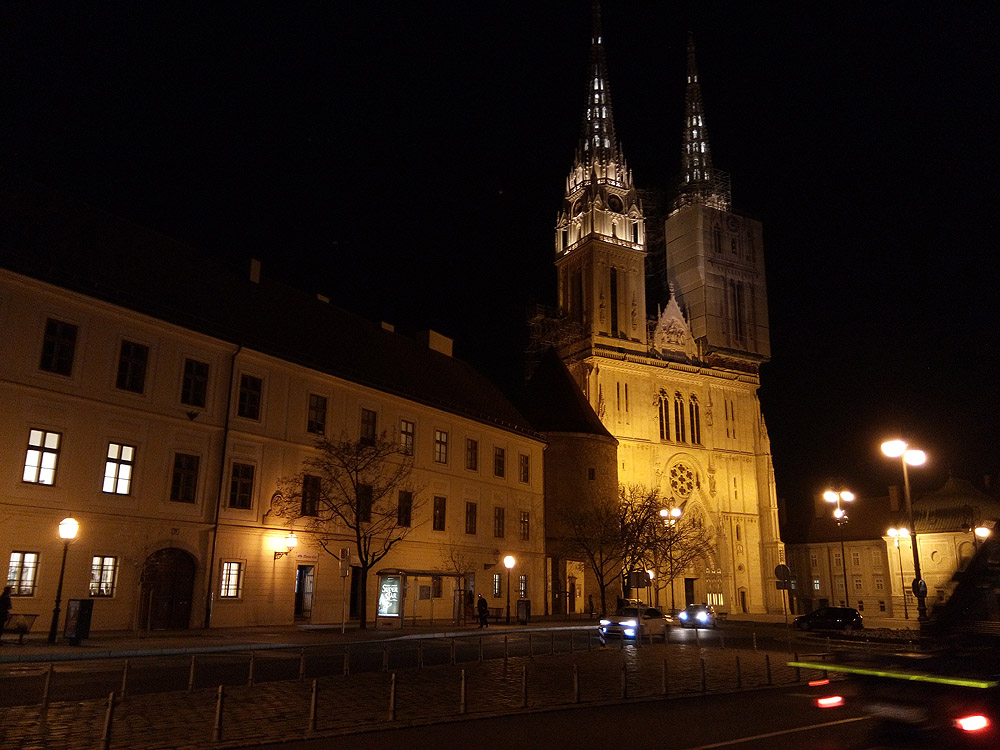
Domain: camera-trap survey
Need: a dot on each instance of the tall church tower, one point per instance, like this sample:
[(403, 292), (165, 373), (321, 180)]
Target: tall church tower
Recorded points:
[(600, 236), (677, 391)]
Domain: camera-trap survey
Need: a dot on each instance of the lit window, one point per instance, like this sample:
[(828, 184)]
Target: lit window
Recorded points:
[(231, 582), (42, 456), (497, 586), (406, 436), (523, 468), (184, 484), (368, 426), (316, 420), (118, 469), (241, 486), (522, 587), (525, 527), (103, 574), (22, 572), (440, 446), (815, 584), (58, 347), (499, 521), (251, 391), (132, 361), (194, 386)]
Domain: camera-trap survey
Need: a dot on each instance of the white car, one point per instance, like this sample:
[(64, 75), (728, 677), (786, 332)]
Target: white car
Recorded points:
[(636, 622)]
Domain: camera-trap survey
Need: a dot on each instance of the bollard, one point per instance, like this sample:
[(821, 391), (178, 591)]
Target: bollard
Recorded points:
[(191, 676), (480, 648), (385, 657), (250, 670), (505, 649), (571, 634), (46, 686), (217, 727), (697, 635), (552, 642), (108, 718), (624, 680), (704, 681), (420, 654), (392, 697), (722, 640), (452, 650), (531, 650), (621, 642), (576, 684), (755, 640), (524, 686), (302, 664), (798, 671), (767, 667), (461, 694), (313, 705), (664, 683), (124, 680), (347, 660), (739, 673)]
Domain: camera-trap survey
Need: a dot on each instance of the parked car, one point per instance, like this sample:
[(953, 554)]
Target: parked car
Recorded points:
[(697, 616), (636, 622), (830, 618)]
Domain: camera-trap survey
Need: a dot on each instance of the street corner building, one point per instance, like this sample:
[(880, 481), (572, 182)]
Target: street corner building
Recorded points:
[(162, 399)]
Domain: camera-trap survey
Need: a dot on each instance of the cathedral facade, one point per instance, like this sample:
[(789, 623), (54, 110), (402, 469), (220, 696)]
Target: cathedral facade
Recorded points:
[(678, 388)]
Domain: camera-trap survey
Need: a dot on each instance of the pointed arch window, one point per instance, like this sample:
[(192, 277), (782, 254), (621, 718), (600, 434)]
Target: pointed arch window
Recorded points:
[(680, 434), (663, 404), (694, 412), (614, 300)]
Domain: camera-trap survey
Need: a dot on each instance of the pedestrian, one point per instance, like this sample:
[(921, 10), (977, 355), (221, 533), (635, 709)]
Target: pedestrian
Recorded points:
[(484, 612), (5, 607), (590, 605)]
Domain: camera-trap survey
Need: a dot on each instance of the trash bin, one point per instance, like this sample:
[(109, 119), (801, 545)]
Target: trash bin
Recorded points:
[(78, 615), (523, 611)]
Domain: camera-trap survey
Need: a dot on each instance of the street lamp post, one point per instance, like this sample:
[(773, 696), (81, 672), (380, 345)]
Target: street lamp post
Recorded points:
[(670, 518), (910, 457), (896, 534), (68, 527), (840, 514), (508, 563)]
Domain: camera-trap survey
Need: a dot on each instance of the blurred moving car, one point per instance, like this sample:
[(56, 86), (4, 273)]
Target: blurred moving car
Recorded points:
[(830, 618), (636, 622), (697, 616)]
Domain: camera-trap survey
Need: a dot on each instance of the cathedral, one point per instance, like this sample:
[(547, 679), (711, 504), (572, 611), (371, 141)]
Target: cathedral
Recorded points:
[(675, 386)]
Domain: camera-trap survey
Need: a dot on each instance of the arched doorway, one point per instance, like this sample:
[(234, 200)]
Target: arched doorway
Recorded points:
[(167, 590)]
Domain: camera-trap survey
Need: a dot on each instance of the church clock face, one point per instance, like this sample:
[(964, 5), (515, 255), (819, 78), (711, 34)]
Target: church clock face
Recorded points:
[(615, 204)]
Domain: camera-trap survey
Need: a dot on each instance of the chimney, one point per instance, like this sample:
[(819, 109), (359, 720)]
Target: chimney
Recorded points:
[(323, 298), (436, 341), (388, 327), (255, 270)]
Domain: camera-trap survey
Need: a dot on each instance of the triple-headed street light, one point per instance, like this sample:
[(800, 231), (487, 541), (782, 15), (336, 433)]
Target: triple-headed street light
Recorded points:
[(896, 534), (670, 518), (840, 514), (910, 457)]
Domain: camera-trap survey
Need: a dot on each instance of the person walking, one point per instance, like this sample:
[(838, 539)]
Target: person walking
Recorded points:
[(484, 612), (5, 607)]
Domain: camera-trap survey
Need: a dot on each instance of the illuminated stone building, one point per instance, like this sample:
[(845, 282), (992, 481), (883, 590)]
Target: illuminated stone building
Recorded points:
[(676, 382)]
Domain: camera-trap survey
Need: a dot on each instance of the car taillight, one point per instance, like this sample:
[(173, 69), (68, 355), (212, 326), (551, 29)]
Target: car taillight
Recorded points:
[(817, 683), (972, 723), (830, 701)]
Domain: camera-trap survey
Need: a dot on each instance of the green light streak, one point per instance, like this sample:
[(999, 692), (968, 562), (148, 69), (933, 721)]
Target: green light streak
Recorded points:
[(912, 677)]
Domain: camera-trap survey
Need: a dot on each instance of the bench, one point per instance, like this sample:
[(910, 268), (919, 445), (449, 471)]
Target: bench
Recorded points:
[(495, 614), (20, 624)]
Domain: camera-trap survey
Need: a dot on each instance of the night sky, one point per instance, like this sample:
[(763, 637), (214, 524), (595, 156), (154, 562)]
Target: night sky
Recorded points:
[(408, 162)]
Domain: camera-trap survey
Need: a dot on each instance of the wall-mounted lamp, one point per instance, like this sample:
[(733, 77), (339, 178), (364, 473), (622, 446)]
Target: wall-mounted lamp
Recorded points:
[(288, 543)]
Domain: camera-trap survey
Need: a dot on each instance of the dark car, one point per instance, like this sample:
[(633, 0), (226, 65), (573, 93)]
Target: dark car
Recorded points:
[(830, 618), (697, 616)]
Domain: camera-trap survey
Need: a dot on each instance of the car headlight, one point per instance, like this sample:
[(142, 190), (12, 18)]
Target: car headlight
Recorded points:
[(703, 617), (629, 632), (683, 615), (628, 623)]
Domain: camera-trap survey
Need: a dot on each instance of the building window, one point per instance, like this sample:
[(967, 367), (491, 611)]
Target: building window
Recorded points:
[(837, 562), (525, 527), (231, 581), (241, 486), (881, 606), (42, 456), (523, 468), (695, 414), (440, 446), (118, 469), (58, 347), (103, 574), (251, 390), (499, 462), (471, 454), (132, 361), (497, 586), (404, 511), (857, 583), (680, 434), (840, 584), (815, 584), (591, 474), (369, 421), (439, 509), (499, 521), (522, 587), (436, 587), (664, 414), (407, 431), (22, 572), (613, 284), (194, 386), (316, 419), (879, 584), (184, 483), (856, 558), (366, 494), (813, 562), (310, 495), (470, 518)]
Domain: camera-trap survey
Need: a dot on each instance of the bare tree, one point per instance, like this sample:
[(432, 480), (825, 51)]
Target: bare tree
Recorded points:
[(678, 545), (353, 490), (595, 534)]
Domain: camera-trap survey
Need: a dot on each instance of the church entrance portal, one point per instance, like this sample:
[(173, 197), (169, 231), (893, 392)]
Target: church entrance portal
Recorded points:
[(167, 590)]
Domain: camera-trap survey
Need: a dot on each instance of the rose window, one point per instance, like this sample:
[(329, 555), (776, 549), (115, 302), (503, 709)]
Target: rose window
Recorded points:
[(682, 480)]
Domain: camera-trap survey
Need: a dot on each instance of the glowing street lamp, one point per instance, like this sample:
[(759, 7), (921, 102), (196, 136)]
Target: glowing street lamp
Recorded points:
[(840, 514), (670, 518), (508, 562), (285, 545), (68, 528), (897, 534), (910, 457)]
